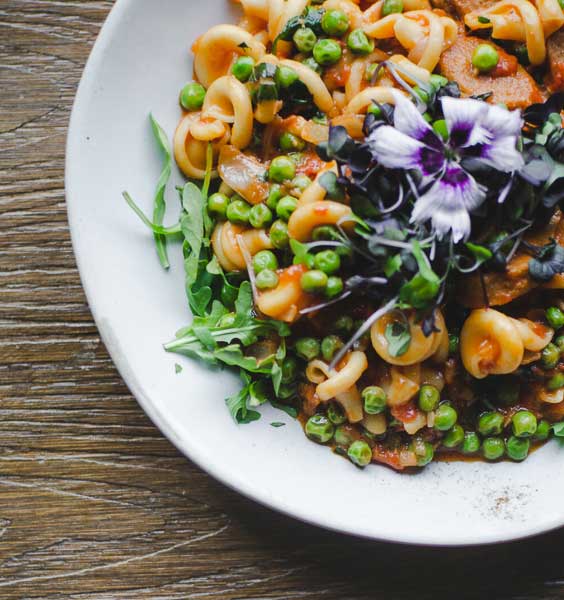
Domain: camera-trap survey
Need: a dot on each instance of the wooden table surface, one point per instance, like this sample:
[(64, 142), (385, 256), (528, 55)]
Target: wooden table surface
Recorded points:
[(95, 504)]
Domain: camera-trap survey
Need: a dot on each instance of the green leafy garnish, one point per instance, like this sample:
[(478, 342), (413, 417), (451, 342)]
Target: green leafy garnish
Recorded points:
[(277, 424), (558, 429), (424, 286), (398, 338), (237, 404), (177, 368)]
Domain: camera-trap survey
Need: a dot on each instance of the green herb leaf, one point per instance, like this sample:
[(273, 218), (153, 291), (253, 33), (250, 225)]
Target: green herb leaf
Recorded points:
[(192, 224), (301, 254), (159, 201), (424, 286), (237, 404), (398, 338), (483, 20), (393, 265), (481, 253), (233, 356), (277, 424), (177, 368), (328, 181), (258, 392), (289, 410), (558, 429)]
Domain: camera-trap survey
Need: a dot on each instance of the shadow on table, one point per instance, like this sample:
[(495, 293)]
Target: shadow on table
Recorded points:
[(354, 569)]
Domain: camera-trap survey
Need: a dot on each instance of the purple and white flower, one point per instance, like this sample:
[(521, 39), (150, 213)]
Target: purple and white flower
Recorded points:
[(476, 129)]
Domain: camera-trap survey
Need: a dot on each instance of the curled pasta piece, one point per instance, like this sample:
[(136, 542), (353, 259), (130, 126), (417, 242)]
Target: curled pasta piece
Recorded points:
[(410, 71), (226, 247), (421, 347), (255, 8), (314, 192), (413, 426), (313, 214), (374, 13), (215, 51), (318, 90), (243, 173), (403, 385), (267, 110), (228, 100), (423, 33), (551, 397), (364, 99), (535, 336), (287, 298), (317, 371), (351, 403), (280, 12), (189, 152), (520, 21), (342, 380)]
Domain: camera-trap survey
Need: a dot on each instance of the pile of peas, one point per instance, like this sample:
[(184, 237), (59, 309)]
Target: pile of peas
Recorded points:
[(550, 356)]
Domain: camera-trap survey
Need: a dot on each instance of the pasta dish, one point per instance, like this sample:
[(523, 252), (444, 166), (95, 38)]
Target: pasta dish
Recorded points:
[(372, 223)]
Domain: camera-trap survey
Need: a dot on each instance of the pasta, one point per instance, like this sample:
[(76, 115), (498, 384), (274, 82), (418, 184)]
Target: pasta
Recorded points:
[(373, 241)]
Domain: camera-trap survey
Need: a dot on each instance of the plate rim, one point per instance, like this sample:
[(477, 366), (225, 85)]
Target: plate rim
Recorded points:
[(117, 12)]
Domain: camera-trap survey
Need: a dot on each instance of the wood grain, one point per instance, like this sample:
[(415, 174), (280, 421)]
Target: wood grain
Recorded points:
[(94, 503)]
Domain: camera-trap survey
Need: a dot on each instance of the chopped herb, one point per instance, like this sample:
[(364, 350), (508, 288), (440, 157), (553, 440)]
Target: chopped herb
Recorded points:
[(277, 424), (398, 338), (177, 368)]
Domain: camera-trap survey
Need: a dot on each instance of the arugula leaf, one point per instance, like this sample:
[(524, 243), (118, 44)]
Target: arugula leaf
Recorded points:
[(398, 338), (233, 356), (548, 262), (159, 201), (424, 285), (160, 229), (558, 429), (192, 225), (289, 410), (277, 424), (237, 404), (199, 292), (276, 371), (258, 392), (177, 368), (301, 254)]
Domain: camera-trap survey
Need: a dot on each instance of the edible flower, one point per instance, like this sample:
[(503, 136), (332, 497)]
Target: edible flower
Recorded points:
[(448, 191)]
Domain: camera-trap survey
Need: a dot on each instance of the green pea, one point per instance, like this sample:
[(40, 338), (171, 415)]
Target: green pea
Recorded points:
[(445, 417), (454, 437), (524, 424), (260, 216), (192, 96), (327, 52), (290, 143), (374, 398), (238, 211), (493, 448), (359, 43), (392, 6), (517, 448), (282, 168), (335, 22), (485, 58), (344, 324), (243, 68), (429, 397), (301, 182), (305, 39), (313, 282), (285, 77), (438, 81), (319, 429), (343, 435), (334, 287), (327, 261), (440, 128), (308, 348), (329, 346), (453, 343), (555, 382), (559, 341), (217, 205), (325, 232), (336, 413), (360, 453), (266, 279), (555, 317), (543, 430), (425, 456), (279, 235), (274, 196), (550, 356), (423, 95), (471, 442), (490, 423), (227, 320), (265, 259), (312, 64), (286, 206), (289, 369)]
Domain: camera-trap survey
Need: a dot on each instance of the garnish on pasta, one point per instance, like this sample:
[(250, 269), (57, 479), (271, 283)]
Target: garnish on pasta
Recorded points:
[(373, 226)]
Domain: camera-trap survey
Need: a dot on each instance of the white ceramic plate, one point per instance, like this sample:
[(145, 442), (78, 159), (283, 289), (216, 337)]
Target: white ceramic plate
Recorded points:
[(139, 63)]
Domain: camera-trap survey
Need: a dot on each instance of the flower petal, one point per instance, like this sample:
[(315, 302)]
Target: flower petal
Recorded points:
[(448, 203), (463, 118), (503, 154), (394, 149), (500, 122), (410, 121)]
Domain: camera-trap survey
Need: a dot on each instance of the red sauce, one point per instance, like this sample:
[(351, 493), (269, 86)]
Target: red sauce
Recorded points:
[(405, 413), (387, 457), (310, 164), (507, 65), (338, 75)]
